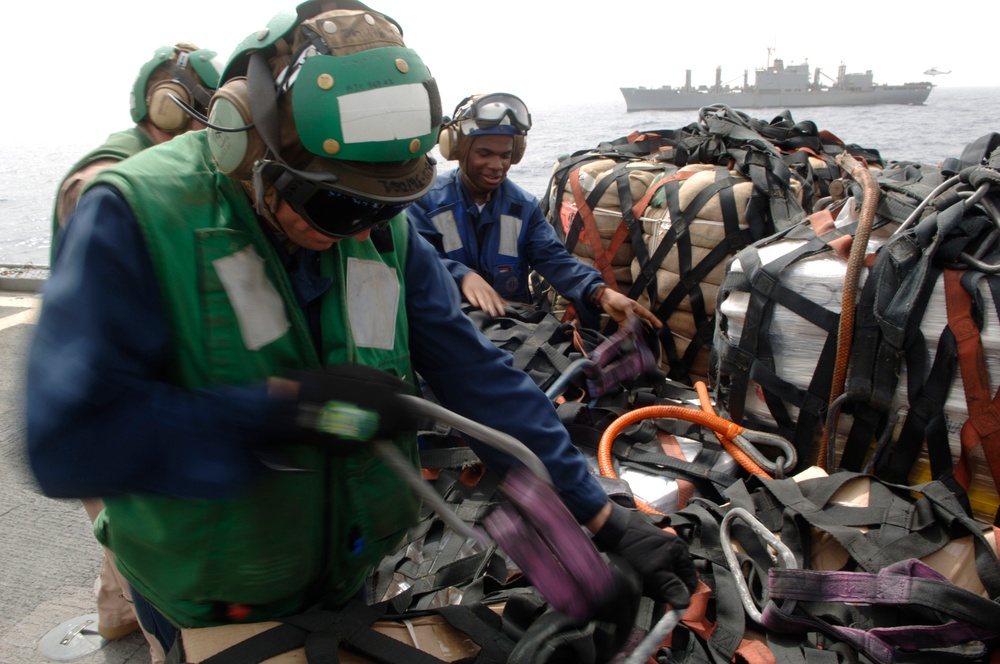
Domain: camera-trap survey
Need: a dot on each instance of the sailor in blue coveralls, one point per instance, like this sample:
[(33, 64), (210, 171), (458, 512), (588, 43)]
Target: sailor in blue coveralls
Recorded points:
[(490, 232)]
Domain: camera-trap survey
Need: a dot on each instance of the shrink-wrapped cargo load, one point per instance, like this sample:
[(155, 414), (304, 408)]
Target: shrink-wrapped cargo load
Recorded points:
[(901, 395)]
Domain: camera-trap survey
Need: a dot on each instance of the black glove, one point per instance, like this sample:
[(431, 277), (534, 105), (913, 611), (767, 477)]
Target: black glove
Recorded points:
[(661, 558), (352, 403)]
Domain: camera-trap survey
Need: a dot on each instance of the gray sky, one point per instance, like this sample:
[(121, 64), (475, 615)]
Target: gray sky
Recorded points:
[(71, 69)]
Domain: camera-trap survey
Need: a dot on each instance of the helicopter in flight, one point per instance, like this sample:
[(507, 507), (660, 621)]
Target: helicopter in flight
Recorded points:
[(934, 71)]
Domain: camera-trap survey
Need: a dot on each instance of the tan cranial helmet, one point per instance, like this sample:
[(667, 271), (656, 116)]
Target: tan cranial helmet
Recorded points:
[(338, 105)]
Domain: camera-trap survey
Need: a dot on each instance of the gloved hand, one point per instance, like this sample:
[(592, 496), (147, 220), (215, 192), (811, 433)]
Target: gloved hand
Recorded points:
[(661, 558), (351, 402)]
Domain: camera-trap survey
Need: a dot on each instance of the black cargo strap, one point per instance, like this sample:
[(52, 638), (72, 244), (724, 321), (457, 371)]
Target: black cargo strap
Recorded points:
[(484, 627), (898, 290), (625, 204), (540, 344), (678, 240), (322, 634), (956, 625), (649, 142), (898, 524), (902, 187), (443, 562), (699, 523), (880, 348), (753, 357), (457, 457), (758, 159), (982, 151)]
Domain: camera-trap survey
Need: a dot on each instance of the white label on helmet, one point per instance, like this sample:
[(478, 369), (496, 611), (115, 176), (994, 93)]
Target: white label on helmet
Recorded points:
[(385, 114), (510, 230), (372, 302), (258, 306)]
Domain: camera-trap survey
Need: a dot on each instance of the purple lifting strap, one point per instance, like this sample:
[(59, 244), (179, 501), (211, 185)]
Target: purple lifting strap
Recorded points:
[(550, 547), (622, 356), (908, 582)]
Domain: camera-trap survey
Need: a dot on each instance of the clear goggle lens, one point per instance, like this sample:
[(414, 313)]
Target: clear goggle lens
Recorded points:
[(332, 213), (490, 110)]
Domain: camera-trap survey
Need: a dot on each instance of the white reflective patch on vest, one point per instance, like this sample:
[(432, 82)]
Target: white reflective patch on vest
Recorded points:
[(258, 306), (510, 230), (385, 114), (448, 228), (372, 303)]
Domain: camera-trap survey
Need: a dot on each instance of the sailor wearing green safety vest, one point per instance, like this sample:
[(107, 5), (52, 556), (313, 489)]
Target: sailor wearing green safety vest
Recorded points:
[(292, 303), (188, 74), (183, 72)]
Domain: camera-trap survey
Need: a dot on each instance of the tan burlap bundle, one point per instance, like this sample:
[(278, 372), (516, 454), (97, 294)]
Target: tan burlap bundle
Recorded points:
[(704, 232), (603, 216)]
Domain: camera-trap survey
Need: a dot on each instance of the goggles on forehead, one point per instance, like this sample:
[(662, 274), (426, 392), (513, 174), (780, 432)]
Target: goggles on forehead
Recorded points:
[(313, 197), (489, 111)]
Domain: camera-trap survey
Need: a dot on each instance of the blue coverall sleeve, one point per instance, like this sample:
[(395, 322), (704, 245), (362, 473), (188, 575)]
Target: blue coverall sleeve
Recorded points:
[(420, 218), (546, 255), (102, 420), (477, 380)]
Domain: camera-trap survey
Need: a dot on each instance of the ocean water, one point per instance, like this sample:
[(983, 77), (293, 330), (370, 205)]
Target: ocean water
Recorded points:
[(951, 119)]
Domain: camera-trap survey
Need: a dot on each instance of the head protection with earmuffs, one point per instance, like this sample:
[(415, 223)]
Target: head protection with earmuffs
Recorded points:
[(182, 73), (497, 113), (328, 108)]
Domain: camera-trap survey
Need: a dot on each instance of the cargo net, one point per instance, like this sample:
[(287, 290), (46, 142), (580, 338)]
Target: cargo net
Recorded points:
[(905, 387), (660, 213)]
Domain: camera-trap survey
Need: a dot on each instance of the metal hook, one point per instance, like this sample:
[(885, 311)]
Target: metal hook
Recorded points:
[(747, 441), (785, 557)]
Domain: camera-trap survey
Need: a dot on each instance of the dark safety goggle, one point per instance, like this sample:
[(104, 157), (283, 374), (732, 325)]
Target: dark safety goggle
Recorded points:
[(331, 212), (490, 110)]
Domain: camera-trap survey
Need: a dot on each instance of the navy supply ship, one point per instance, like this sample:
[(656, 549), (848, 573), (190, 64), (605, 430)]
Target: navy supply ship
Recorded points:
[(778, 86)]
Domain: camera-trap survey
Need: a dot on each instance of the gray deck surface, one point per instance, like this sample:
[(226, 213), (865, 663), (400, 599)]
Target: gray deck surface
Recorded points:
[(49, 558)]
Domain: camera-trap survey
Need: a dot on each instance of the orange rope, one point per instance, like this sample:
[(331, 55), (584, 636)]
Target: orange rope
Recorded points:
[(725, 427), (855, 263), (741, 457)]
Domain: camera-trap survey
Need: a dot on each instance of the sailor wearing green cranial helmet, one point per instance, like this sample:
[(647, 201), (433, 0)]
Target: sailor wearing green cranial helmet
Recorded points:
[(308, 84), (175, 75)]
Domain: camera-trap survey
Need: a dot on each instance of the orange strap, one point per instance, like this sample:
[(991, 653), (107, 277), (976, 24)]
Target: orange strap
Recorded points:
[(982, 428), (640, 206), (591, 235), (696, 619)]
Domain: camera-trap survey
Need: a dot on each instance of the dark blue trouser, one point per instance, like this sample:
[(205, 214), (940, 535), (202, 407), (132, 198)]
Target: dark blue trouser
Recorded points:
[(153, 621)]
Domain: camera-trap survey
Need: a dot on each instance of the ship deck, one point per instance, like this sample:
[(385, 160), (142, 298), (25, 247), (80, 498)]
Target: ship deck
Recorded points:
[(49, 558)]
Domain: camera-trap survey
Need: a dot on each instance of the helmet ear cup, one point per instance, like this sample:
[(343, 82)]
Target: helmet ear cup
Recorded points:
[(234, 152), (448, 143), (164, 112), (520, 143)]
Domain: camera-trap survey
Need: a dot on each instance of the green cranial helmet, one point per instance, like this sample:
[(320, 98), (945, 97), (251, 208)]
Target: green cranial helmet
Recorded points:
[(351, 101), (199, 69)]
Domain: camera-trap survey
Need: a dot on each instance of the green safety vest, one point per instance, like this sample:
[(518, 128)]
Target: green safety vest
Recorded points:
[(118, 146), (293, 538)]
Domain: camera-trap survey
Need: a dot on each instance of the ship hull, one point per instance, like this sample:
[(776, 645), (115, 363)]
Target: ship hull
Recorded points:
[(669, 99)]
